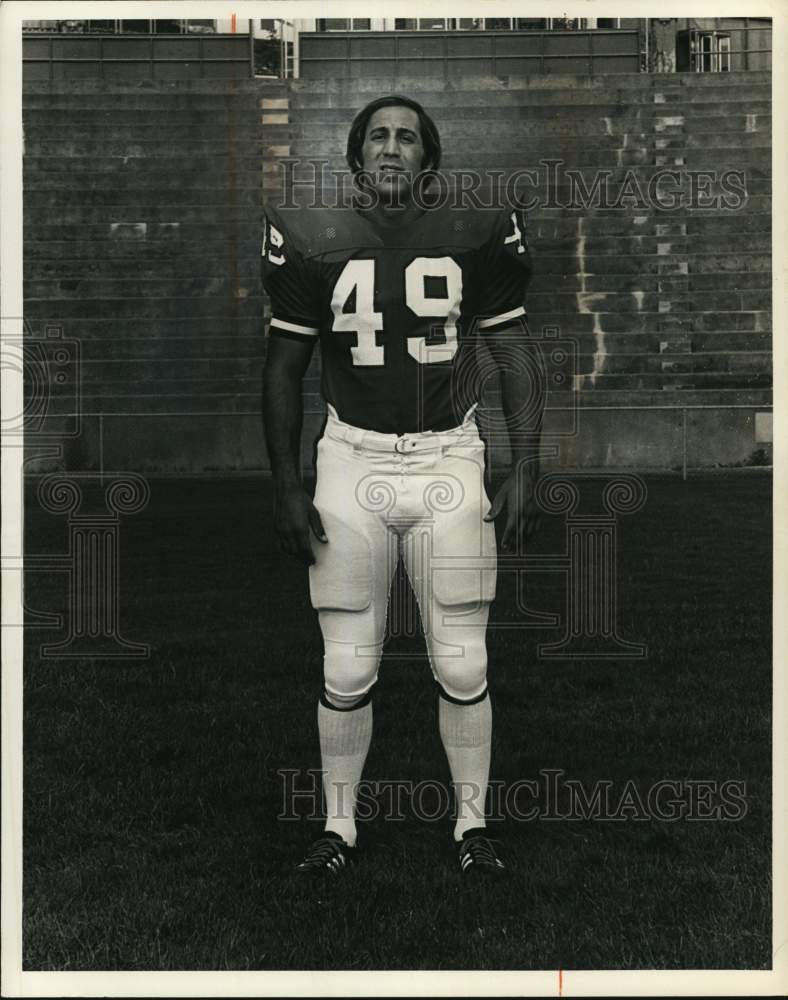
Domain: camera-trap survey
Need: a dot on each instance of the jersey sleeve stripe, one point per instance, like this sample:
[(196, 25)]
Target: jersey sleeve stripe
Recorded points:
[(305, 331), (485, 324)]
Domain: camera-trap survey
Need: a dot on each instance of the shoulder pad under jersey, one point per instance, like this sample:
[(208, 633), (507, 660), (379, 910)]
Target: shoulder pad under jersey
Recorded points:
[(317, 231)]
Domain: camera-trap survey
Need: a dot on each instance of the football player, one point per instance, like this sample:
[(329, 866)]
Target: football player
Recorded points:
[(397, 296)]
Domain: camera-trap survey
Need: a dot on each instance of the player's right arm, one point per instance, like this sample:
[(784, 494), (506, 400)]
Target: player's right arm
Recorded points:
[(291, 339), (294, 513)]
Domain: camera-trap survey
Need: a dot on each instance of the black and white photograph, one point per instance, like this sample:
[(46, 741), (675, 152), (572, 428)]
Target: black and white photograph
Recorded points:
[(391, 500)]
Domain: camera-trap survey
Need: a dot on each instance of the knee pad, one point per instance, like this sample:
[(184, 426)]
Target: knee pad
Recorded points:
[(341, 703), (461, 667), (349, 671), (445, 696)]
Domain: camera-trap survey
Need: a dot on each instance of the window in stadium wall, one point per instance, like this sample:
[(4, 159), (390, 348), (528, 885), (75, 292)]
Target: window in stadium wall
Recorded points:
[(204, 26), (531, 23), (344, 24), (102, 27), (713, 53), (421, 24), (161, 26), (606, 23), (724, 53), (497, 24), (135, 27)]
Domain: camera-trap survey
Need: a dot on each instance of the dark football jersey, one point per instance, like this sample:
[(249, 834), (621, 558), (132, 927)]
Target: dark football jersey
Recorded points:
[(395, 308)]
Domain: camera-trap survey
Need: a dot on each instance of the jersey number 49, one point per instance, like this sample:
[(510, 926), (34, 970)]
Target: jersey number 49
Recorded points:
[(358, 280)]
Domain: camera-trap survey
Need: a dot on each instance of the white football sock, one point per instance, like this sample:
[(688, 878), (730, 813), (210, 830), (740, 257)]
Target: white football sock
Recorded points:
[(466, 732), (345, 736)]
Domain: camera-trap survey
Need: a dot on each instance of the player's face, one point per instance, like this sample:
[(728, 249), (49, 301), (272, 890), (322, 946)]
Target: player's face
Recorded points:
[(393, 152)]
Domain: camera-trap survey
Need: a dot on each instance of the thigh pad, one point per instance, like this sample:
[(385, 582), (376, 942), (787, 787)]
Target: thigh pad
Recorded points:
[(341, 576)]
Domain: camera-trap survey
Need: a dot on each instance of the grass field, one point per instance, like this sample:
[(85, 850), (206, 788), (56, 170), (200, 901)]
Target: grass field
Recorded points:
[(151, 838)]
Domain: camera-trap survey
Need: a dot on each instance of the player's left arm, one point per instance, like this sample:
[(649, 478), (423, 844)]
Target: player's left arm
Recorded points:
[(507, 270), (522, 374)]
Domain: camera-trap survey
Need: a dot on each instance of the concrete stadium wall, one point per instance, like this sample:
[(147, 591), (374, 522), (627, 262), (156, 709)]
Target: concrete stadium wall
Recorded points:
[(142, 213)]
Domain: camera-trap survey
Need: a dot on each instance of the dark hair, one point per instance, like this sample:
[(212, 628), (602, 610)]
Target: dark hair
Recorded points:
[(358, 130)]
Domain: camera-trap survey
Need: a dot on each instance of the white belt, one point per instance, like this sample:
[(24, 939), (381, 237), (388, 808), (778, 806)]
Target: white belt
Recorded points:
[(401, 444)]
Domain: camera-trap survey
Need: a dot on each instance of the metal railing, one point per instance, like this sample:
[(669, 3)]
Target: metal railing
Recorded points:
[(549, 44), (195, 50)]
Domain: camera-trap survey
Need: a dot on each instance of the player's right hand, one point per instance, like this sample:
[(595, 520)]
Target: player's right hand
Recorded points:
[(295, 519)]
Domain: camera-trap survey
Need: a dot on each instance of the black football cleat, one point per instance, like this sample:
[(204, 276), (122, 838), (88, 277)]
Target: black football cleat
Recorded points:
[(478, 853), (328, 853)]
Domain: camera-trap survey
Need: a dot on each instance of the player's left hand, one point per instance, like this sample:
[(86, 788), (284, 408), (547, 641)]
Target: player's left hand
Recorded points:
[(523, 517)]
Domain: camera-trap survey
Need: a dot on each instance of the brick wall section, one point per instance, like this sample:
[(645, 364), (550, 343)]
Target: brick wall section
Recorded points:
[(666, 308), (142, 211), (142, 216)]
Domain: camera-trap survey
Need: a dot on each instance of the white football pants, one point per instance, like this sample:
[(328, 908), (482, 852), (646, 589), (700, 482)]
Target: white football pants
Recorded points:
[(420, 497)]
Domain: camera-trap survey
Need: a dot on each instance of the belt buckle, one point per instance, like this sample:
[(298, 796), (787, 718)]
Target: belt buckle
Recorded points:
[(400, 441)]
